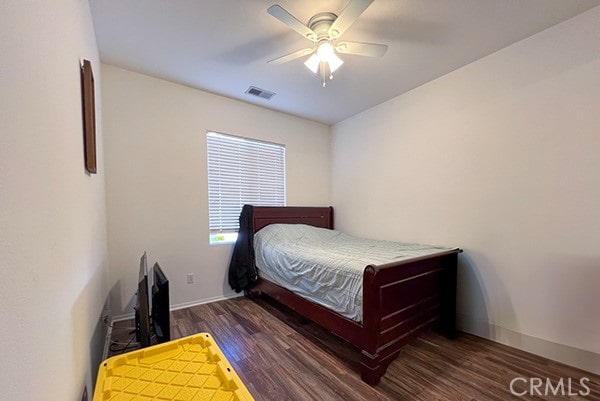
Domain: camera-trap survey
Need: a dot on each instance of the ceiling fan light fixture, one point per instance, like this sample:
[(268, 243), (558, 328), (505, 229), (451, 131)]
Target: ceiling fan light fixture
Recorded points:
[(335, 62), (325, 51), (313, 63)]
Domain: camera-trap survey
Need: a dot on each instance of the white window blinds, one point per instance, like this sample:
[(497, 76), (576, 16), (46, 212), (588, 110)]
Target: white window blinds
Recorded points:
[(242, 171)]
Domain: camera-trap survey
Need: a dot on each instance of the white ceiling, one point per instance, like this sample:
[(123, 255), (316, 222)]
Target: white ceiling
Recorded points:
[(222, 46)]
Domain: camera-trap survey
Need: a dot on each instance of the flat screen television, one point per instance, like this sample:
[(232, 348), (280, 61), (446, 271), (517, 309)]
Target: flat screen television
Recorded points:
[(142, 308), (160, 305)]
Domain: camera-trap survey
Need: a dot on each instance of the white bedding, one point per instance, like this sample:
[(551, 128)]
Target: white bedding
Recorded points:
[(326, 266)]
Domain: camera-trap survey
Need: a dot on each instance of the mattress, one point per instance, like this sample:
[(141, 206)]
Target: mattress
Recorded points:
[(326, 266)]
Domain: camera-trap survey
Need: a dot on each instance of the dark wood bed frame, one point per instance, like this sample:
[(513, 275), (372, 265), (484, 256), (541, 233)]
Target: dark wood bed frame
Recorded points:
[(400, 300)]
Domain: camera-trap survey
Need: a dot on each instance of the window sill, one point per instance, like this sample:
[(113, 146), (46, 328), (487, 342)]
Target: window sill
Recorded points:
[(222, 239)]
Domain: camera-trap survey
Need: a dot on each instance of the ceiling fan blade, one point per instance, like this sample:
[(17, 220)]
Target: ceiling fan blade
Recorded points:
[(362, 49), (349, 14), (282, 15), (292, 56)]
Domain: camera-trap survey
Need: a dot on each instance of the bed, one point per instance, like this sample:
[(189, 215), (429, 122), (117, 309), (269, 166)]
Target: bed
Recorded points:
[(399, 300)]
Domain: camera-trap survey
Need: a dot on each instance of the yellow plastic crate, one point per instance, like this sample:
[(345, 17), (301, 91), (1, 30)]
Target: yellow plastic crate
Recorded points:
[(188, 369)]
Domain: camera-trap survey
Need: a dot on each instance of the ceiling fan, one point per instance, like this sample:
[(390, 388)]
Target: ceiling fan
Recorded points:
[(324, 30)]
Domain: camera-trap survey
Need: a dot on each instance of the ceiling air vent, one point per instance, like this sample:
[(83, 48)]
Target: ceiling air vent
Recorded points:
[(265, 94)]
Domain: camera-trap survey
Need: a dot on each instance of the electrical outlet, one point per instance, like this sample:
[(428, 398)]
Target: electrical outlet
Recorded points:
[(190, 278)]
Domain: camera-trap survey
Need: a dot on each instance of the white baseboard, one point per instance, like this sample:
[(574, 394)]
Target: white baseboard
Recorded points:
[(184, 305), (206, 301), (582, 359)]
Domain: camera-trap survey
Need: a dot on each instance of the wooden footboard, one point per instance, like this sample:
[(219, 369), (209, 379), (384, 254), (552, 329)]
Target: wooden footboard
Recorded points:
[(400, 300)]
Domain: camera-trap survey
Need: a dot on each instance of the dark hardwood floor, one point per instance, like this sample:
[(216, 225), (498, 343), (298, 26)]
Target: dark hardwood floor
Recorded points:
[(281, 356)]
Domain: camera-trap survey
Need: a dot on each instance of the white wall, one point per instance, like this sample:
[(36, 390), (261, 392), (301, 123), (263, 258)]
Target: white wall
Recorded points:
[(53, 249), (501, 158), (157, 195)]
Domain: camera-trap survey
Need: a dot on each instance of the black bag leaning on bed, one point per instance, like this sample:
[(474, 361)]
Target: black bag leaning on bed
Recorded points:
[(242, 270)]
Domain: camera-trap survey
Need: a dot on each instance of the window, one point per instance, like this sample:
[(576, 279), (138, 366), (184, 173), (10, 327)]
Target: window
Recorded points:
[(241, 171)]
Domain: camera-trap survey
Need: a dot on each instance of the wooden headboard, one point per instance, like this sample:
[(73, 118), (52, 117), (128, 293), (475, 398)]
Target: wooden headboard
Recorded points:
[(314, 216)]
